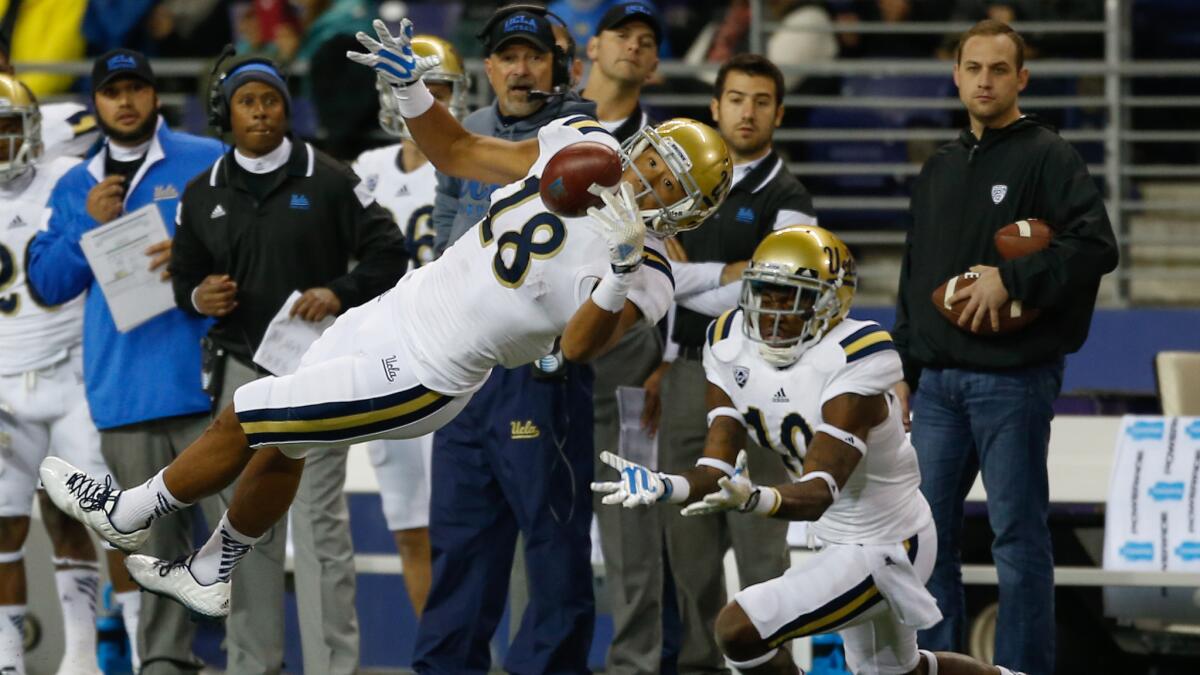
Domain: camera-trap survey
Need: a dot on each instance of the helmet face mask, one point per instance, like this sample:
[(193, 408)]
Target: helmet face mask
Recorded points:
[(696, 157), (799, 285), (18, 148)]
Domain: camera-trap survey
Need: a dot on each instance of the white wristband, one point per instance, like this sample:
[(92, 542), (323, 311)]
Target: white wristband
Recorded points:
[(714, 463), (843, 436), (825, 476), (194, 305), (609, 294), (413, 100), (678, 488), (768, 502), (725, 411)]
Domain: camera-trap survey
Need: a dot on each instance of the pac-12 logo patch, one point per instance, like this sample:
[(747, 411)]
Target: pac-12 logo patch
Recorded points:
[(998, 192), (741, 376)]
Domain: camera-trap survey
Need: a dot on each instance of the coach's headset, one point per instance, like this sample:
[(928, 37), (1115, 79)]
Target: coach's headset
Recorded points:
[(218, 104), (560, 80)]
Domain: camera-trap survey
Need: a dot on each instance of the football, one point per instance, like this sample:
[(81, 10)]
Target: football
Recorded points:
[(1023, 237), (572, 170), (1013, 316)]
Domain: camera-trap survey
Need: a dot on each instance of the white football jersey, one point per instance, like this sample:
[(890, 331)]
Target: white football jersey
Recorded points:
[(32, 335), (504, 291), (881, 502), (407, 195)]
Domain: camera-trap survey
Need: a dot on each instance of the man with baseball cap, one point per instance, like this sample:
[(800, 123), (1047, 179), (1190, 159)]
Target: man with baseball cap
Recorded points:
[(524, 421), (273, 216), (143, 386)]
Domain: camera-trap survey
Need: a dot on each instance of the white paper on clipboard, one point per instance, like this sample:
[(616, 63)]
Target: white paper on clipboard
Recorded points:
[(116, 252)]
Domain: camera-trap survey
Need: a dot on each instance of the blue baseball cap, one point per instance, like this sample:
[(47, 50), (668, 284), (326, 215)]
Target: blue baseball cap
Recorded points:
[(120, 63), (520, 25), (631, 11)]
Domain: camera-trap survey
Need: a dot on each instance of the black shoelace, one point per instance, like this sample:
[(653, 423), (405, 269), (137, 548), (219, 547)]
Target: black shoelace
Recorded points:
[(164, 568), (91, 494)]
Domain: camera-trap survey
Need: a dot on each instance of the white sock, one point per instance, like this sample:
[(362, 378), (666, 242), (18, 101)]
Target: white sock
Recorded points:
[(12, 639), (131, 607), (138, 506), (216, 560), (1006, 671), (77, 596)]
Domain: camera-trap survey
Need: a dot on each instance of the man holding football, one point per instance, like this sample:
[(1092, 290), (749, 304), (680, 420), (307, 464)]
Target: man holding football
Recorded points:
[(984, 403)]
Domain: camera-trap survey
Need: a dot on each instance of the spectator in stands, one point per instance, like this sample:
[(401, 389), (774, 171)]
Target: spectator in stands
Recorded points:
[(534, 421), (44, 31), (747, 106), (273, 217), (884, 45), (624, 54), (143, 386), (984, 403), (584, 17)]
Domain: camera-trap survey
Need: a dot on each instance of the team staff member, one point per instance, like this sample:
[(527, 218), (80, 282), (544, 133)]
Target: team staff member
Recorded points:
[(624, 54), (984, 403), (747, 106), (271, 217), (143, 386), (519, 424)]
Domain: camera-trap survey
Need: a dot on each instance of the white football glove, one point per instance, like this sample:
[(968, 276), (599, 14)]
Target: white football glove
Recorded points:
[(638, 486), (391, 56), (621, 223), (734, 495)]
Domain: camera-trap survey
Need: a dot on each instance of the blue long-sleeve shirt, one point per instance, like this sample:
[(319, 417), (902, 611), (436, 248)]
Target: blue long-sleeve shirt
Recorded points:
[(153, 371)]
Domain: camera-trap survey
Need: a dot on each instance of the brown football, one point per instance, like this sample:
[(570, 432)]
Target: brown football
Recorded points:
[(1013, 316), (572, 170), (1023, 237)]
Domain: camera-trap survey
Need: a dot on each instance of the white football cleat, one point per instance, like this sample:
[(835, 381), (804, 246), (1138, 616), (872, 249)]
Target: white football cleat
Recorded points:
[(173, 579), (89, 501)]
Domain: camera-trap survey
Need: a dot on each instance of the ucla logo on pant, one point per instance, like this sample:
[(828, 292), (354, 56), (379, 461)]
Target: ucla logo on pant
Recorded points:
[(524, 430)]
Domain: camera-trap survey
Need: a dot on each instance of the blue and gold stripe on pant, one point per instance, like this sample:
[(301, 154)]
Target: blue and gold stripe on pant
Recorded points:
[(839, 611), (340, 420)]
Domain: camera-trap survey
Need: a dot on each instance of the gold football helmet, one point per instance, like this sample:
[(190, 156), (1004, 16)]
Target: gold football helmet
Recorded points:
[(449, 71), (698, 157), (18, 150), (799, 284)]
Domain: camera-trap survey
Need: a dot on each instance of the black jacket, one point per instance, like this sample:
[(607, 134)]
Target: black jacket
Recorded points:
[(303, 234), (731, 234), (971, 188)]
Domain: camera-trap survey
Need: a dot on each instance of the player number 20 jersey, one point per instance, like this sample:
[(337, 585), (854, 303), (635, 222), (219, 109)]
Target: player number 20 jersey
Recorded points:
[(504, 291), (881, 502), (33, 335)]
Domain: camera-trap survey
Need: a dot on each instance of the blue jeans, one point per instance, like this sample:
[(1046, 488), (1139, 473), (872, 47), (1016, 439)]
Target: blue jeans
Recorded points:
[(998, 423)]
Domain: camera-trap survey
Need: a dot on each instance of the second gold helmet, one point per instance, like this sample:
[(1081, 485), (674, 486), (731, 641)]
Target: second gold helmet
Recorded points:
[(799, 284)]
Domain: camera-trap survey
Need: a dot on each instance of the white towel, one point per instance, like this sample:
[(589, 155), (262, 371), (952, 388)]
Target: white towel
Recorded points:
[(899, 584)]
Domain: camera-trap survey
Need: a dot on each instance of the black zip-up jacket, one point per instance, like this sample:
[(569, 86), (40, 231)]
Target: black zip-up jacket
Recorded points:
[(969, 189), (313, 219)]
